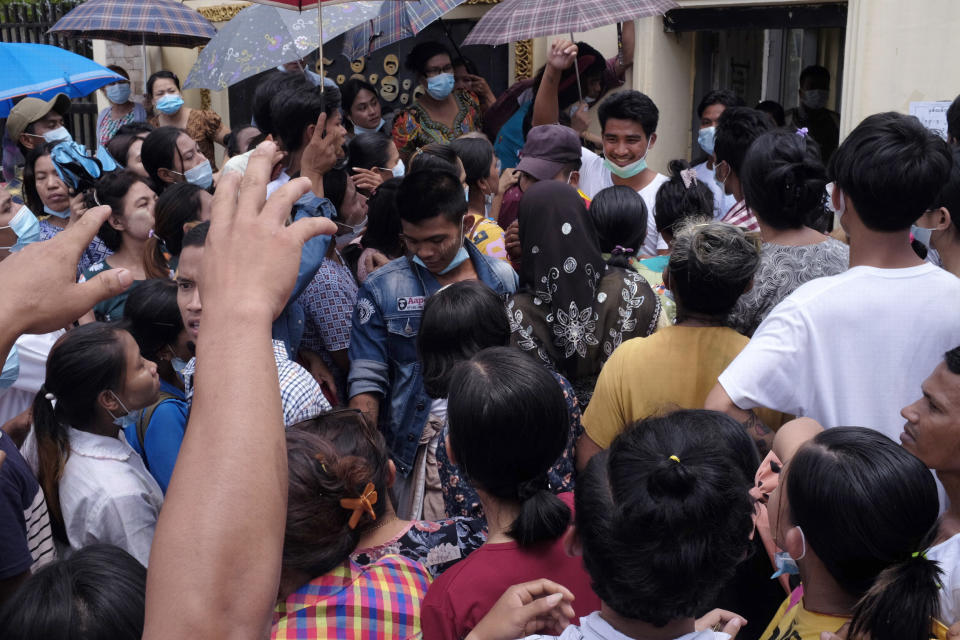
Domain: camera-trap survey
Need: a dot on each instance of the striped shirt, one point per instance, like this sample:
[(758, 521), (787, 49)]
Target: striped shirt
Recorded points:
[(376, 602), (26, 539), (741, 216)]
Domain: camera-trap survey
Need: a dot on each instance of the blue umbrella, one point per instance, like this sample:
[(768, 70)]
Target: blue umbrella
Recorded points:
[(42, 71)]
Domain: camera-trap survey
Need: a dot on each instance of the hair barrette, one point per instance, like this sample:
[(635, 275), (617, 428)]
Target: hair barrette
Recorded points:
[(802, 132), (675, 459), (618, 250), (689, 177)]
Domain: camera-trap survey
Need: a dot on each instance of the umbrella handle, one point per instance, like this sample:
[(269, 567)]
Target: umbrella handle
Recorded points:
[(323, 84), (576, 70)]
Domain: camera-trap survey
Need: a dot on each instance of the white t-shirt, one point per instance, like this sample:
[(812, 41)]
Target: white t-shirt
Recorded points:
[(721, 201), (593, 627), (32, 350), (947, 553), (850, 349), (594, 177)]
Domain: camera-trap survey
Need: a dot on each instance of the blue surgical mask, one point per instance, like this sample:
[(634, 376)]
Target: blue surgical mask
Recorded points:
[(440, 86), (60, 134), (632, 169), (358, 129), (785, 563), (720, 183), (706, 139), (466, 192), (178, 364), (27, 228), (343, 239), (11, 369), (119, 93), (201, 175), (399, 169), (462, 256), (63, 215), (169, 104), (922, 235), (127, 419)]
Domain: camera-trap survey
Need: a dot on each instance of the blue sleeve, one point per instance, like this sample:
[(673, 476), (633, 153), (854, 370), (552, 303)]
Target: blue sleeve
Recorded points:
[(15, 555), (163, 437), (369, 370), (315, 249)]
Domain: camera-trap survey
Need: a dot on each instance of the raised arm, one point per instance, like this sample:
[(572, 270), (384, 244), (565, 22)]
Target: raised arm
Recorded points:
[(215, 562), (546, 108)]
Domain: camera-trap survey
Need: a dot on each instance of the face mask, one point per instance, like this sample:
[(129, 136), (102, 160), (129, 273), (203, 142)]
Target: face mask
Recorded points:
[(118, 93), (462, 256), (63, 215), (201, 175), (343, 239), (831, 187), (127, 419), (27, 228), (358, 129), (922, 235), (785, 563), (178, 364), (705, 139), (466, 192), (440, 86), (720, 183), (169, 104), (815, 98), (631, 169), (11, 369), (60, 134), (399, 170)]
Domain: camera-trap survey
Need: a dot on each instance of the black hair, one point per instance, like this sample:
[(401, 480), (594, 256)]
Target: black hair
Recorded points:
[(711, 266), (737, 128), (663, 517), (508, 424), (97, 592), (176, 206), (335, 187), (952, 358), (774, 110), (158, 152), (233, 142), (30, 194), (152, 316), (110, 190), (719, 96), (297, 107), (949, 194), (458, 322), (416, 60), (630, 105), (369, 150), (869, 510), (82, 363), (135, 128), (197, 236), (352, 88), (675, 202), (619, 215), (815, 72), (163, 73), (383, 220), (428, 193), (118, 69), (273, 84), (119, 146), (784, 179), (891, 167), (437, 156), (476, 154), (953, 121)]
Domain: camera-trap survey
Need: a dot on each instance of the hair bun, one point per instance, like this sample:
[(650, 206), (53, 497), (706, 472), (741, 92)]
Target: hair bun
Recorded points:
[(672, 480)]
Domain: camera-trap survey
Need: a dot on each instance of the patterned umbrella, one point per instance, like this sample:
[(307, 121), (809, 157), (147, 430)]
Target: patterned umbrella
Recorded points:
[(514, 20), (261, 37), (42, 71), (396, 21), (161, 23)]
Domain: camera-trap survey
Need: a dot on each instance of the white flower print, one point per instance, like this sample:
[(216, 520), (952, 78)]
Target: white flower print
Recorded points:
[(575, 330)]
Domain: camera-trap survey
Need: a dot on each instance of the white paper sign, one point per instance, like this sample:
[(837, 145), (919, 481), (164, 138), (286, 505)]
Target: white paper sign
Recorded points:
[(933, 115)]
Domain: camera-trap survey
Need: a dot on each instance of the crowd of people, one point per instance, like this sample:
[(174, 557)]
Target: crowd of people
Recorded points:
[(479, 373)]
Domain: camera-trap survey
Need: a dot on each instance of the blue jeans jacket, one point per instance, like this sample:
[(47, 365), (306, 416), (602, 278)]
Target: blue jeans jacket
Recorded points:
[(288, 327), (383, 345)]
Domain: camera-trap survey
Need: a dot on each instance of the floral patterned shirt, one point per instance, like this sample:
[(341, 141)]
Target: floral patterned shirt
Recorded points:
[(414, 128), (435, 545)]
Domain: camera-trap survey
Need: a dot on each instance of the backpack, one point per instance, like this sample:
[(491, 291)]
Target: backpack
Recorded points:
[(143, 421)]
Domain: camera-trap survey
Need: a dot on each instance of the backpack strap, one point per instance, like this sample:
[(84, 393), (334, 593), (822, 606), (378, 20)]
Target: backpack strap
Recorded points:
[(143, 421)]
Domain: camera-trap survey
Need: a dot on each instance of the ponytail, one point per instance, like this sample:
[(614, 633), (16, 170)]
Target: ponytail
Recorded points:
[(155, 263), (53, 449), (902, 603), (543, 516)]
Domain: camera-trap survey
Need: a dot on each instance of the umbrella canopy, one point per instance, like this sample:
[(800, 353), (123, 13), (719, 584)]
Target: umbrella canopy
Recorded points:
[(161, 23), (396, 21), (513, 20), (42, 71), (262, 37)]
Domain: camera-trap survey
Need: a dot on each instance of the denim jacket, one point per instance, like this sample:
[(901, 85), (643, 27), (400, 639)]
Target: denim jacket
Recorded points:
[(383, 344), (288, 327)]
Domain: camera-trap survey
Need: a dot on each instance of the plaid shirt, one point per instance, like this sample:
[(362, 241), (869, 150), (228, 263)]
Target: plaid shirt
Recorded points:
[(351, 602), (300, 394)]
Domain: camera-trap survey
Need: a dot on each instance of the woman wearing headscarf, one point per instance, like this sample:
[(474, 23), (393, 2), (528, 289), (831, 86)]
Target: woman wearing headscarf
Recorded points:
[(573, 310)]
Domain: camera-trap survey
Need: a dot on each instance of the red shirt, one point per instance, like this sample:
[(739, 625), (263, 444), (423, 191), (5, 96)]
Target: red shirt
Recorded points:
[(459, 598)]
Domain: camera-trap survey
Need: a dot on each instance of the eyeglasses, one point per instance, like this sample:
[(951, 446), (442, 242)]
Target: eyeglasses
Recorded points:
[(435, 71)]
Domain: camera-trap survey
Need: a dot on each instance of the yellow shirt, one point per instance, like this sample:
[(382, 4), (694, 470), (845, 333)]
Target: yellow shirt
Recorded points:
[(674, 368), (796, 623)]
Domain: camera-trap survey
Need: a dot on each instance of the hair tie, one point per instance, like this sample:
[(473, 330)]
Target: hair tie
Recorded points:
[(358, 505), (919, 554), (50, 397), (675, 459), (689, 177), (618, 250), (802, 132)]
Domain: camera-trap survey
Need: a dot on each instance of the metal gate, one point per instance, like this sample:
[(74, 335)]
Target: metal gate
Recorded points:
[(29, 22)]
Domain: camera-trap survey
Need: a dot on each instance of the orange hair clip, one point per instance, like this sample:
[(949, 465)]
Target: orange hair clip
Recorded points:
[(358, 505)]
